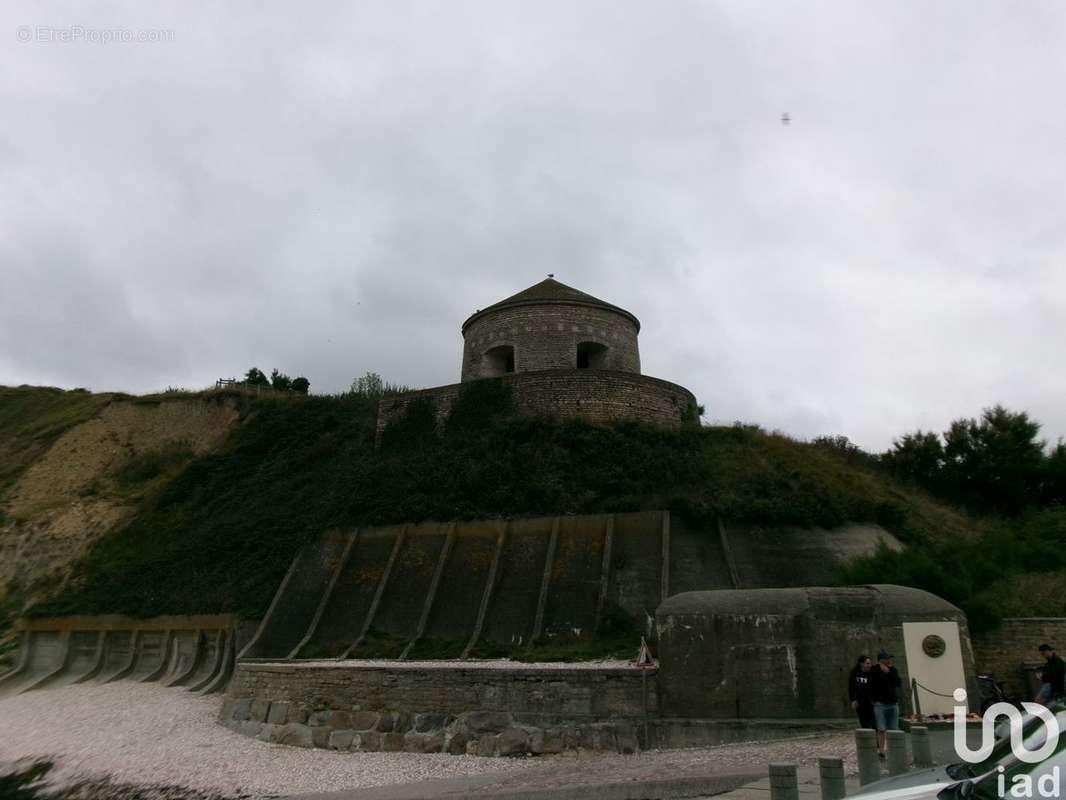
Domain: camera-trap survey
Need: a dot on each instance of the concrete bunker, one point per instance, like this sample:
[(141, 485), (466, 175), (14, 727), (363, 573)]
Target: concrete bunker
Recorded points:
[(786, 653)]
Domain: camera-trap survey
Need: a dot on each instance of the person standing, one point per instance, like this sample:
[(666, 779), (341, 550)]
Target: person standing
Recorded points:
[(885, 694), (1053, 676), (859, 692)]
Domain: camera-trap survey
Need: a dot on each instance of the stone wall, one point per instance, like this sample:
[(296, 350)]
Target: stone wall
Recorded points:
[(594, 395), (545, 337), (440, 707), (1005, 650)]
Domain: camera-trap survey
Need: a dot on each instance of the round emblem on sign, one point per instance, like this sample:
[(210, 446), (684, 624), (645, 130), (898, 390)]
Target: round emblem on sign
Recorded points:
[(934, 646)]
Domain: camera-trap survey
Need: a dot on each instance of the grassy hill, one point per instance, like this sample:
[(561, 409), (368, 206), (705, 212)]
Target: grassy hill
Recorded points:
[(217, 532)]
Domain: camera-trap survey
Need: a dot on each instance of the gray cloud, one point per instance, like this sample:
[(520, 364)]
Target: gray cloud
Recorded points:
[(334, 190)]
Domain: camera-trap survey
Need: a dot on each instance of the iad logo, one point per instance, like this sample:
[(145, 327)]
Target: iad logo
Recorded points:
[(1017, 731)]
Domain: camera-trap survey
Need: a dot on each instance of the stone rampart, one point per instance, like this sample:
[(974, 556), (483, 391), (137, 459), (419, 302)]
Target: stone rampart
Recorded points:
[(594, 395)]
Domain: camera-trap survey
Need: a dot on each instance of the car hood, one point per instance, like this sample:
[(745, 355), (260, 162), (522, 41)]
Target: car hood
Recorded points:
[(926, 783)]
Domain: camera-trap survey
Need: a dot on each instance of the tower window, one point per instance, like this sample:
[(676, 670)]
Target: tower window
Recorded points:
[(498, 361), (591, 355)]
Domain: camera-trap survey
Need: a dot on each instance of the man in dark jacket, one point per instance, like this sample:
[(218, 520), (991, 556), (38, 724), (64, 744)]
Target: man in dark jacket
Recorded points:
[(1053, 676), (859, 692), (884, 692)]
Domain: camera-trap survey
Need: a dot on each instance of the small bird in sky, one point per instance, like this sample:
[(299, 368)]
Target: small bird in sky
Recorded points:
[(786, 119)]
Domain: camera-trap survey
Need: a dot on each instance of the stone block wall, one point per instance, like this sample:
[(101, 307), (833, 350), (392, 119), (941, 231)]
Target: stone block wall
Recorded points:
[(545, 337), (433, 707), (593, 395), (1003, 651)]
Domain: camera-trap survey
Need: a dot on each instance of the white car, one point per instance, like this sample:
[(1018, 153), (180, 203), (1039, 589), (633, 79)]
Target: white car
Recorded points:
[(924, 781)]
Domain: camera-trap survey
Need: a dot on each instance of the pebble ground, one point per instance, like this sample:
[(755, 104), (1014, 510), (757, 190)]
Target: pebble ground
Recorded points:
[(149, 734)]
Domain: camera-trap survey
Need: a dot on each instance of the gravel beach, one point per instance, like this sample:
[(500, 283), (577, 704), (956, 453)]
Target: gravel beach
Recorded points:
[(148, 734), (145, 733)]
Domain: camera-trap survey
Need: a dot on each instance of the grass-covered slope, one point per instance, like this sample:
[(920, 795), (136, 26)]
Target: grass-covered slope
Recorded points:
[(220, 535)]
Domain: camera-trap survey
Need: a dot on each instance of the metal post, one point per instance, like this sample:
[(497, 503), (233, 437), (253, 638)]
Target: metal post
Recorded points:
[(866, 755), (784, 783), (923, 752), (897, 752), (831, 777), (917, 700)]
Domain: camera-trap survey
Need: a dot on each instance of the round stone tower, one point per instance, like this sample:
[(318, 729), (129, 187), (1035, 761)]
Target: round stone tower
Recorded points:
[(549, 326)]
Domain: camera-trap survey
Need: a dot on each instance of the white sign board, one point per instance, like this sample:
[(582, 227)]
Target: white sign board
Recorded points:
[(934, 657)]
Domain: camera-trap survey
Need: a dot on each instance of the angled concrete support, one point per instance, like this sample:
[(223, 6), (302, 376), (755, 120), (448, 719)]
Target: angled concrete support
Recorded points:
[(164, 664), (64, 656), (101, 653), (250, 647), (24, 657), (131, 662), (665, 579), (431, 595), (220, 681), (181, 676), (490, 585), (727, 554), (545, 582), (342, 562), (214, 666), (605, 569), (401, 537)]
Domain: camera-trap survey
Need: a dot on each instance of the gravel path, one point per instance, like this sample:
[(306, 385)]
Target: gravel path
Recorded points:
[(149, 734)]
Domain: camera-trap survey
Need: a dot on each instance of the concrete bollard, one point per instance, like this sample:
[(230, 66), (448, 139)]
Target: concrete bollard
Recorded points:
[(784, 783), (831, 777), (923, 751), (896, 742), (866, 755)]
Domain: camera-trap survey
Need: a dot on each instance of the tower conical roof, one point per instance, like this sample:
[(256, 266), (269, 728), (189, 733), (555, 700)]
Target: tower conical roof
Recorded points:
[(550, 291)]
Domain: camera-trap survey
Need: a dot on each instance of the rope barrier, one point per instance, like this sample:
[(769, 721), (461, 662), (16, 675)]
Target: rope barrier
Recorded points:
[(926, 688)]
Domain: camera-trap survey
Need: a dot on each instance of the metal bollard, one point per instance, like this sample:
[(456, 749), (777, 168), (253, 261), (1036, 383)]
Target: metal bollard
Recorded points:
[(896, 742), (866, 755), (784, 783), (831, 777), (923, 751)]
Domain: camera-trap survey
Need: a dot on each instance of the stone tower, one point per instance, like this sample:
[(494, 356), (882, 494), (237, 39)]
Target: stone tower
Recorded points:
[(549, 326)]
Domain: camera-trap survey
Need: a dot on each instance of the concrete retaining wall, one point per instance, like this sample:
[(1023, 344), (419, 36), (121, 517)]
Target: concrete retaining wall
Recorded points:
[(513, 581)]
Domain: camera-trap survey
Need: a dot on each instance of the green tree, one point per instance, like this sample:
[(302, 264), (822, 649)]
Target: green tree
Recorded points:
[(280, 381), (301, 385), (370, 385), (996, 463), (255, 377), (918, 458), (1053, 486)]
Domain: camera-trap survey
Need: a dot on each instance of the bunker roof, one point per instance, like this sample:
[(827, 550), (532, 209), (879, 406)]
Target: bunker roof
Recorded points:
[(550, 292)]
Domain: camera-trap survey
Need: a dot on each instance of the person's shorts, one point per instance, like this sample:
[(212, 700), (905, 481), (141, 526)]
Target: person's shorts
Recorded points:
[(1044, 695), (886, 716), (866, 717)]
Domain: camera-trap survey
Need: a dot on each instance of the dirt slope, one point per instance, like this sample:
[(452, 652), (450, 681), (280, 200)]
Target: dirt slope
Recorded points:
[(72, 494)]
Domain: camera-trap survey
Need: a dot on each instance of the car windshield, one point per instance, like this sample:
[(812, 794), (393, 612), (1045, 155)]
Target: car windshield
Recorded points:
[(987, 788)]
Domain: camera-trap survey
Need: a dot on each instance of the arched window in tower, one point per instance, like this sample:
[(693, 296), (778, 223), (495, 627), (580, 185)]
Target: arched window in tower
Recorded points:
[(498, 361), (591, 355)]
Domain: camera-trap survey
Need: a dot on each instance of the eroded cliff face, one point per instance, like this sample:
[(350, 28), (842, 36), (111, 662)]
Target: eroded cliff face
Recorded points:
[(72, 495)]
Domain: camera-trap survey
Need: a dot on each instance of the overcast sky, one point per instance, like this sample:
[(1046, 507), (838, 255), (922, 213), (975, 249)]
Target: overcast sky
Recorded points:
[(331, 188)]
